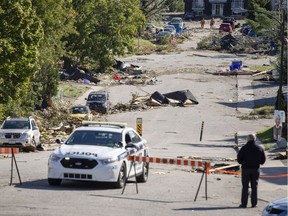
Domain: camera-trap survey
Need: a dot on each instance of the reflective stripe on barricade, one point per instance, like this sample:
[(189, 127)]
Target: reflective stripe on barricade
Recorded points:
[(8, 150), (182, 162)]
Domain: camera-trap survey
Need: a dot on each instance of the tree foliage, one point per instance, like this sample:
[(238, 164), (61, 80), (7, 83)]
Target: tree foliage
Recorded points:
[(105, 29), (153, 8), (36, 34), (57, 22), (20, 36), (261, 21), (269, 24)]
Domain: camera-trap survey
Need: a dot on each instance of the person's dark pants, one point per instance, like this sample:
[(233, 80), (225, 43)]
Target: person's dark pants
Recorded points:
[(252, 176)]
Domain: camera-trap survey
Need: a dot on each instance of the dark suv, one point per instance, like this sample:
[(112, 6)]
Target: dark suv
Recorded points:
[(98, 101)]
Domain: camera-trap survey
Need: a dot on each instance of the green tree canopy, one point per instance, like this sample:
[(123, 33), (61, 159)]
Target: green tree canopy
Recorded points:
[(57, 22), (105, 29), (20, 36)]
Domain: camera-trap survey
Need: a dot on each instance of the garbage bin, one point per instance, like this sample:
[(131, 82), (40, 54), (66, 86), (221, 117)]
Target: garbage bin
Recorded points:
[(236, 64)]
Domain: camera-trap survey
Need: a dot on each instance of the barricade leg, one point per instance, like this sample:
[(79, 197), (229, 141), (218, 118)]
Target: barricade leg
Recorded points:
[(132, 165), (204, 173), (206, 193), (13, 159)]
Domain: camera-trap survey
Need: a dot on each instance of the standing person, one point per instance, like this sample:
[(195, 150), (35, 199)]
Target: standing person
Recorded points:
[(250, 157), (202, 23), (212, 22)]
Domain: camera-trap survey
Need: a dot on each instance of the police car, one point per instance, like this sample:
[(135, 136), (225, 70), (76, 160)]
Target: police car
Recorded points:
[(98, 151)]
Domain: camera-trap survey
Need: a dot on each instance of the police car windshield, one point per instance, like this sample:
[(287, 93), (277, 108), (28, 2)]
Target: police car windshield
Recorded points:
[(97, 138)]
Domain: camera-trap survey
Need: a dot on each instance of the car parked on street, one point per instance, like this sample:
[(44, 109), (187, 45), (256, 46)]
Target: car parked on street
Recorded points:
[(98, 101), (178, 23), (98, 151), (171, 29), (153, 28), (276, 208), (225, 27), (161, 36), (22, 132), (81, 112), (230, 20)]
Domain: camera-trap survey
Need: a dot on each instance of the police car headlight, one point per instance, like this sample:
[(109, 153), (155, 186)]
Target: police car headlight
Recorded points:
[(54, 157), (2, 135), (109, 160)]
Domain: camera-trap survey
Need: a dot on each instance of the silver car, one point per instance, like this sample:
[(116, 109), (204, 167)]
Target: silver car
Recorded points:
[(19, 132)]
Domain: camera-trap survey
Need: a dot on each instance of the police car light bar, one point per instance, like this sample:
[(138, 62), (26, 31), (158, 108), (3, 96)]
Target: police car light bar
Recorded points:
[(93, 123)]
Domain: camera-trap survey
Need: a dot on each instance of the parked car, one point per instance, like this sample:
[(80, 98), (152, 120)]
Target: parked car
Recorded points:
[(189, 15), (153, 28), (81, 112), (230, 20), (171, 29), (22, 132), (178, 23), (278, 207), (245, 29), (98, 101), (225, 27), (162, 35), (98, 151)]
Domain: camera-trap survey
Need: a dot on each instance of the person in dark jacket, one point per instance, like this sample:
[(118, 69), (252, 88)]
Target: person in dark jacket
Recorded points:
[(250, 156)]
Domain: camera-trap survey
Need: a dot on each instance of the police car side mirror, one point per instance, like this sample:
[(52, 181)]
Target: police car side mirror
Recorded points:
[(120, 144), (130, 145)]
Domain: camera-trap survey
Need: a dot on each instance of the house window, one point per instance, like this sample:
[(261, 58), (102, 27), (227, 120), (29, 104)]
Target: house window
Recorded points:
[(237, 4), (198, 4), (217, 9)]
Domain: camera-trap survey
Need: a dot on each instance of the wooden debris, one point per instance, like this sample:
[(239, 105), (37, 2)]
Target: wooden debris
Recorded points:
[(229, 167), (260, 73)]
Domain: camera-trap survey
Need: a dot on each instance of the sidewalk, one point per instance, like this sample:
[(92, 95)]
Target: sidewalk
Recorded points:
[(273, 174)]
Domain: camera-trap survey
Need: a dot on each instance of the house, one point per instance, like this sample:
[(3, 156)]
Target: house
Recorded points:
[(278, 4), (224, 8), (214, 8)]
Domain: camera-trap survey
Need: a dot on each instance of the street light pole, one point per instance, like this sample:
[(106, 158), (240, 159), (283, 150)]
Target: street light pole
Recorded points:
[(282, 30)]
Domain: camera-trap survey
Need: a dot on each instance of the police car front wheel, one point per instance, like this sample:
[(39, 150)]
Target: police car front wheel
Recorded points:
[(121, 177)]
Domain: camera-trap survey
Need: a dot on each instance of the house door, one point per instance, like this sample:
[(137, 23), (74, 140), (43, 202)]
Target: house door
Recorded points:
[(217, 9)]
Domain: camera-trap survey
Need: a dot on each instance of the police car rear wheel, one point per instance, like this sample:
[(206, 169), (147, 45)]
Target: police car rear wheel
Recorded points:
[(144, 175), (121, 177), (52, 181)]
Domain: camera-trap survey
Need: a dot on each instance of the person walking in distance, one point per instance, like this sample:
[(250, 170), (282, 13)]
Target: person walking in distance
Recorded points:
[(250, 157), (212, 22), (202, 23)]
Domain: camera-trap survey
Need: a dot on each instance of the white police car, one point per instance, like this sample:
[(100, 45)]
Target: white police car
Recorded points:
[(98, 151)]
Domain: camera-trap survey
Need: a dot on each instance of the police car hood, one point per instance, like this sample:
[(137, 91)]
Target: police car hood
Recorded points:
[(89, 151)]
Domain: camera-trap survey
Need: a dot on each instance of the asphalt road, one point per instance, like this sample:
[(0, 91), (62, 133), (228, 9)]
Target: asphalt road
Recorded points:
[(171, 132), (171, 190)]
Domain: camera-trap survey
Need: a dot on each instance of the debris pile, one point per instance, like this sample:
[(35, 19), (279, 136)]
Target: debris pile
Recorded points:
[(76, 74), (236, 43)]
